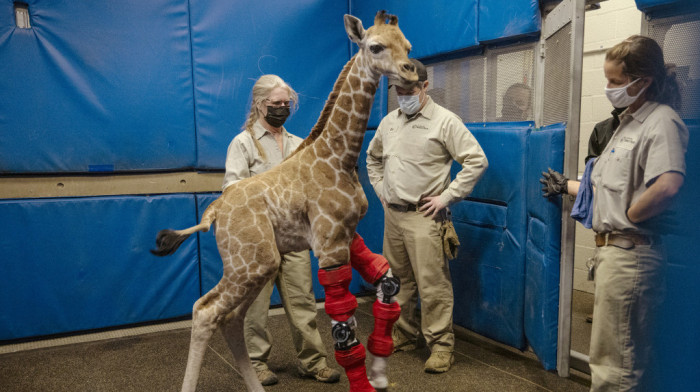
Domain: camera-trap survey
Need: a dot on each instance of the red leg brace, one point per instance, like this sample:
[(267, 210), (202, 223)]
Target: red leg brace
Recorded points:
[(340, 305), (353, 361), (380, 343), (371, 266)]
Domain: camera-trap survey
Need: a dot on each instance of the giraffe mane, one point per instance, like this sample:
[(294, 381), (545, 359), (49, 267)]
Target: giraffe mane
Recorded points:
[(327, 108)]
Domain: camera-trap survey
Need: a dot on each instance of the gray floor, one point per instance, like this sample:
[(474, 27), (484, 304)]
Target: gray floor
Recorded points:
[(156, 362)]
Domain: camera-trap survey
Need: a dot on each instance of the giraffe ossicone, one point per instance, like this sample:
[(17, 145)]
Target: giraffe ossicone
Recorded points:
[(312, 199)]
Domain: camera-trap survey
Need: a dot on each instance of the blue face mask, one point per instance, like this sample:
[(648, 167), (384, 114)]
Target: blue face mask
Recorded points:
[(409, 104)]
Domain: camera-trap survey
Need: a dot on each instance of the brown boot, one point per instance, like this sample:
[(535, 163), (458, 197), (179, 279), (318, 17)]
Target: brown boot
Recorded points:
[(439, 362)]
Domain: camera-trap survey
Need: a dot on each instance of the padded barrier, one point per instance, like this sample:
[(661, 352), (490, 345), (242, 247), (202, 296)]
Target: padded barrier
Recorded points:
[(212, 266), (96, 87), (433, 29), (665, 6), (235, 42), (500, 19), (489, 273), (72, 264), (543, 247), (677, 344)]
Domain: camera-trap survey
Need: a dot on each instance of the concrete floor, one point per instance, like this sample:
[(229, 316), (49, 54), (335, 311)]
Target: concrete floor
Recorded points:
[(156, 362)]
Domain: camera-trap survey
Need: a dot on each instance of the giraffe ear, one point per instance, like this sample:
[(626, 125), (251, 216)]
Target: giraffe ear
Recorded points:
[(353, 27)]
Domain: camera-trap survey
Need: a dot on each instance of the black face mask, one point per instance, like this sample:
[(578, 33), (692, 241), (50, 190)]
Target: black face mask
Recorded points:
[(277, 116)]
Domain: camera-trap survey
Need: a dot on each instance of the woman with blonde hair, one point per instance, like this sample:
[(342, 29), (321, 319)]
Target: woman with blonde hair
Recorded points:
[(263, 144)]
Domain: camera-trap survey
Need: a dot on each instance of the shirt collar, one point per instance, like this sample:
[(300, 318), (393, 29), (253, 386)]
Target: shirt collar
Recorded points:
[(427, 111), (259, 131), (643, 112)]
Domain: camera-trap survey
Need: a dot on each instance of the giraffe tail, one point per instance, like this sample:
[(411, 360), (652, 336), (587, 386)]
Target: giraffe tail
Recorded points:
[(168, 241)]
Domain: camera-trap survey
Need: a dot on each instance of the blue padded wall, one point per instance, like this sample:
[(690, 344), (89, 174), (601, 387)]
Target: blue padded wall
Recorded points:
[(499, 19), (543, 247), (371, 227), (95, 86), (234, 43), (74, 264), (678, 6), (677, 340), (435, 28), (489, 273), (212, 266)]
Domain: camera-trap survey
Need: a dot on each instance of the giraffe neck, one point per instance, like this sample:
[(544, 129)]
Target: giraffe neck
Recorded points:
[(347, 124)]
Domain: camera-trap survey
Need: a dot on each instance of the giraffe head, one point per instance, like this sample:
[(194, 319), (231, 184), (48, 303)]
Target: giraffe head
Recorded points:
[(383, 47)]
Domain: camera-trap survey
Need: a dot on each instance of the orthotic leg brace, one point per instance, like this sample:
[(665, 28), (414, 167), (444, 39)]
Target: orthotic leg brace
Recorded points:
[(340, 306), (375, 269)]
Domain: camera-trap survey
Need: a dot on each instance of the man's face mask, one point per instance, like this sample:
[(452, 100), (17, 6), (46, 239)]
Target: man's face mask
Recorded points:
[(409, 104), (619, 97), (276, 116)]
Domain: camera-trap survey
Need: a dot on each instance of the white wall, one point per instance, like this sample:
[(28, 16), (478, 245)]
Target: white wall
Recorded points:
[(613, 22)]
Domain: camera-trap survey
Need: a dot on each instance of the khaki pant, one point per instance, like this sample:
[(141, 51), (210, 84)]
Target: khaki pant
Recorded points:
[(629, 289), (294, 285), (413, 246)]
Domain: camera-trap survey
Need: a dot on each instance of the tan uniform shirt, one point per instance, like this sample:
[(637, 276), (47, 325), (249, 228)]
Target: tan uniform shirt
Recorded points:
[(409, 159), (649, 142), (243, 159)]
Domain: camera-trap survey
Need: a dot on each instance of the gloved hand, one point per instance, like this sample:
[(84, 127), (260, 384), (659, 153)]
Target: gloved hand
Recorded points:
[(553, 183)]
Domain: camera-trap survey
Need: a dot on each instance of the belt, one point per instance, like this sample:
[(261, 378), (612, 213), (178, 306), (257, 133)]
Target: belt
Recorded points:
[(624, 240), (405, 207)]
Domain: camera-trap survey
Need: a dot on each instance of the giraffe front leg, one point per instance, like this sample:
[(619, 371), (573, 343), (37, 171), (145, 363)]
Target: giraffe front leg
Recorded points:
[(340, 306), (386, 311), (375, 269)]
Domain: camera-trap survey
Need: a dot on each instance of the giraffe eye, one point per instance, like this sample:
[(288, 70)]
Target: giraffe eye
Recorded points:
[(376, 48)]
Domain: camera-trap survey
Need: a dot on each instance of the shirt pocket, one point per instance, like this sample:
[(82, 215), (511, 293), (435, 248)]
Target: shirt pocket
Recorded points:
[(616, 175)]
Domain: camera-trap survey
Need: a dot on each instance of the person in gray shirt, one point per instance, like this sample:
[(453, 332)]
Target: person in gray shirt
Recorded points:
[(635, 180)]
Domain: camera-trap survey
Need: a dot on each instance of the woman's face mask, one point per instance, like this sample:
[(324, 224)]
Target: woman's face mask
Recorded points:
[(619, 97), (276, 116)]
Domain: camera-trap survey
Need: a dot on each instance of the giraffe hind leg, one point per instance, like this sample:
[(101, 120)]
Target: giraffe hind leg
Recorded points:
[(204, 323)]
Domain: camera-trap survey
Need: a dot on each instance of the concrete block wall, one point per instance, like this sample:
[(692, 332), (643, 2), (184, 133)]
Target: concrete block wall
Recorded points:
[(613, 22)]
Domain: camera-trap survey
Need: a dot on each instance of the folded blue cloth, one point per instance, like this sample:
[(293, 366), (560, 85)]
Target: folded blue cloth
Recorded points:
[(582, 210)]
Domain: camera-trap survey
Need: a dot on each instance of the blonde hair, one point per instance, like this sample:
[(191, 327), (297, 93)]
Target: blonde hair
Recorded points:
[(261, 91)]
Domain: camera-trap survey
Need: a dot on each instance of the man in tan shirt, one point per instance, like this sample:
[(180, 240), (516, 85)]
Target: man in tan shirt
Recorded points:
[(408, 162)]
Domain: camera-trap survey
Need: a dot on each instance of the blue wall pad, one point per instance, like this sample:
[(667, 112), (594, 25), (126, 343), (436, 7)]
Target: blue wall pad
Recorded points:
[(380, 104), (234, 43), (433, 29), (502, 19), (371, 227), (489, 273), (74, 264), (96, 87), (212, 266), (543, 247), (669, 7), (677, 341)]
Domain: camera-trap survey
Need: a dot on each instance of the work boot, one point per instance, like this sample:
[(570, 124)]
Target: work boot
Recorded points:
[(266, 377), (324, 374), (439, 362), (401, 342)]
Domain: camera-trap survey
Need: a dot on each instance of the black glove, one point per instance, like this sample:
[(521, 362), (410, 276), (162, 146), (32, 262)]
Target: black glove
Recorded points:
[(553, 183)]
